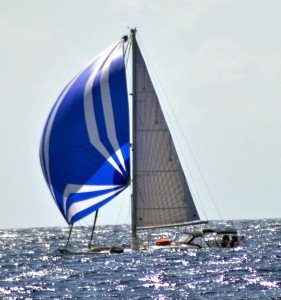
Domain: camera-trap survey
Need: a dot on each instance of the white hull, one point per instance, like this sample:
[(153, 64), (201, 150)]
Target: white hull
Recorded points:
[(180, 247), (126, 250)]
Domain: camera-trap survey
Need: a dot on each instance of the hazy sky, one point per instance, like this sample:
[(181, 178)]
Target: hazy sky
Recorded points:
[(218, 61)]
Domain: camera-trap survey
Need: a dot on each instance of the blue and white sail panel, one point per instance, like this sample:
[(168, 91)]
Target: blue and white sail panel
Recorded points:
[(85, 150), (81, 201)]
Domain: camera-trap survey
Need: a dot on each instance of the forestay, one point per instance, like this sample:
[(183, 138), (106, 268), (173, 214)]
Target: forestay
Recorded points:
[(85, 149)]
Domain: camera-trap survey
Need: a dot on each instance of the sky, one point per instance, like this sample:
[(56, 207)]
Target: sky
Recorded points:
[(217, 67)]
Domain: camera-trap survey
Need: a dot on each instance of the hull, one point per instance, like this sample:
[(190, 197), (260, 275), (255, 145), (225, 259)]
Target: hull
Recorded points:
[(119, 250), (95, 251), (172, 247)]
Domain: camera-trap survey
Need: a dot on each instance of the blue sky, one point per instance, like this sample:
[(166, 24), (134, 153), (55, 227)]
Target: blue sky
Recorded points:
[(218, 61)]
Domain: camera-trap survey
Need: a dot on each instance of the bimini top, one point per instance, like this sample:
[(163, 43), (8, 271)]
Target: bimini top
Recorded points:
[(220, 230)]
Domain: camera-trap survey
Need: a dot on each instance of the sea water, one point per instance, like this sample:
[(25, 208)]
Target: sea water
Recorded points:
[(32, 267)]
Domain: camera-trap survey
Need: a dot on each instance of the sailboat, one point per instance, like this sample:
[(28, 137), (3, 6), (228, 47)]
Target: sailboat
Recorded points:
[(87, 155)]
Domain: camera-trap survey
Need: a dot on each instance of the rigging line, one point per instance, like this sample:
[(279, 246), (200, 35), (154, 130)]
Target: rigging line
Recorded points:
[(120, 206), (129, 210), (199, 202), (127, 56), (128, 49), (199, 169), (83, 221), (127, 45)]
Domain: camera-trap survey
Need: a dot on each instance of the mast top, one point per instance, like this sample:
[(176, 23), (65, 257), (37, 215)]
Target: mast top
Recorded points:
[(133, 32)]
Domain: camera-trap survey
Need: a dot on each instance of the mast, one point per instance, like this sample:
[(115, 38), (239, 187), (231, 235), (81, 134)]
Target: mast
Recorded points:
[(134, 245)]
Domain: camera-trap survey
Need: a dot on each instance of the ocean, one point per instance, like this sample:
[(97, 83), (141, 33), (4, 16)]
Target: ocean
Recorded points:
[(32, 267)]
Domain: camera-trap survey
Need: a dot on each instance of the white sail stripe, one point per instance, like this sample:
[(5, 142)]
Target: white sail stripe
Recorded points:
[(121, 159), (82, 205), (114, 164), (51, 121), (108, 107), (77, 188), (89, 110)]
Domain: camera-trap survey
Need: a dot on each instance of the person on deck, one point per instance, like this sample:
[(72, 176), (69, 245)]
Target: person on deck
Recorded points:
[(242, 239), (234, 242), (225, 241)]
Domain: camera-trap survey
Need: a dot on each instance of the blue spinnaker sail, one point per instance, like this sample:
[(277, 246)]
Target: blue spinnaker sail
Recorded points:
[(85, 148)]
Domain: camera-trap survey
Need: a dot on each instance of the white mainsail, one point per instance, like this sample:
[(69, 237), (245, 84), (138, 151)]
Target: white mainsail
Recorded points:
[(161, 194)]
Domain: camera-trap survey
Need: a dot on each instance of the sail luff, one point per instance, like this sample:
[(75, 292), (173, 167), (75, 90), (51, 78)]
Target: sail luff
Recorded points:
[(134, 241)]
